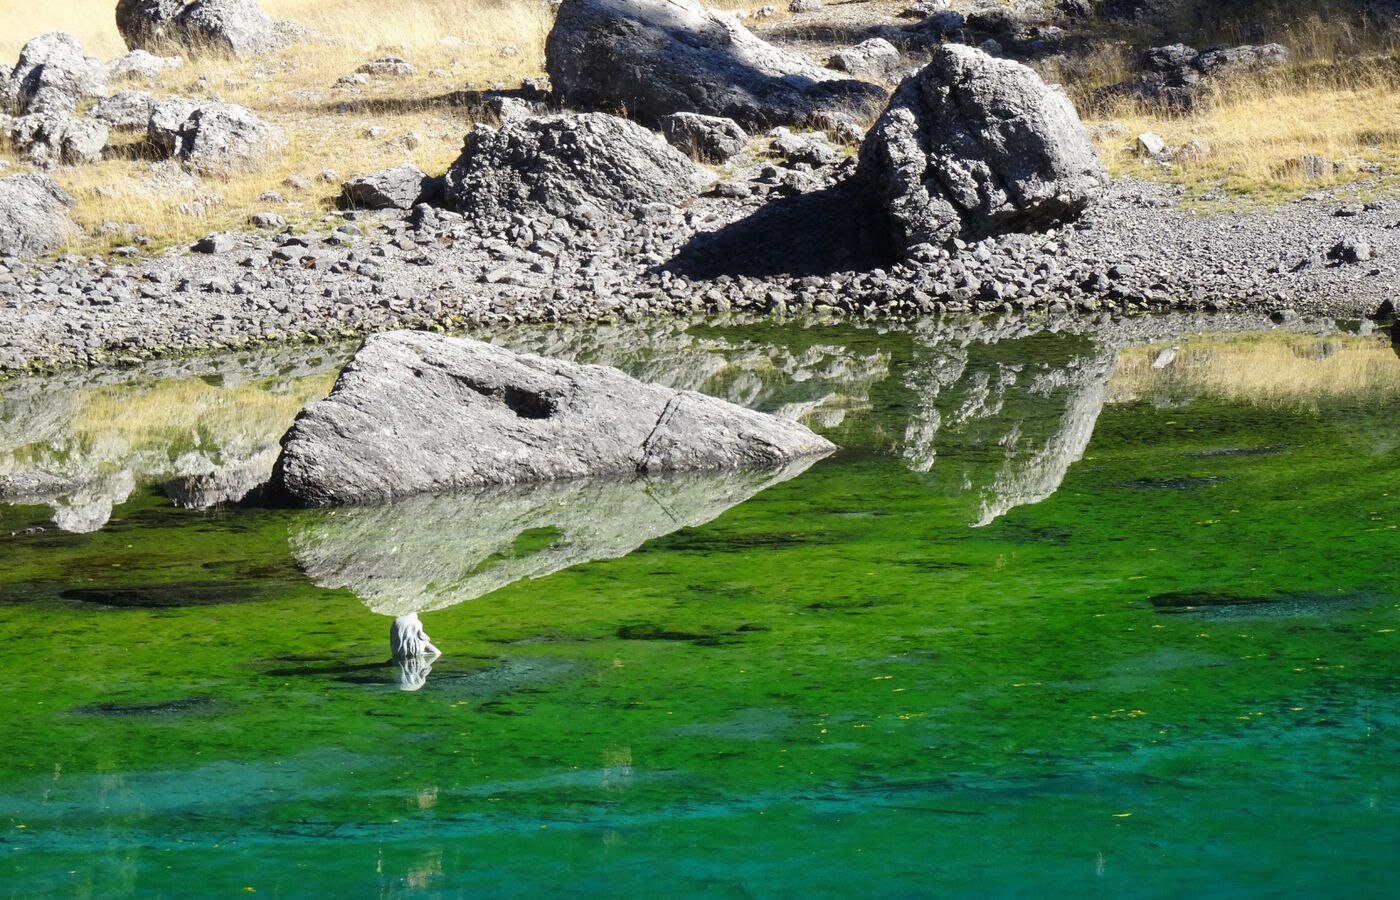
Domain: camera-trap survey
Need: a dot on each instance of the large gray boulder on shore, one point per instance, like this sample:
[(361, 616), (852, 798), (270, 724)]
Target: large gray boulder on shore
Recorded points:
[(415, 412), (557, 165), (223, 27), (651, 58), (51, 76), (976, 146), (225, 139), (36, 216)]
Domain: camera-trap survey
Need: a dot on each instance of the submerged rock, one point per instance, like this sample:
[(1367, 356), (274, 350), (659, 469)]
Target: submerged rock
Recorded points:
[(418, 413)]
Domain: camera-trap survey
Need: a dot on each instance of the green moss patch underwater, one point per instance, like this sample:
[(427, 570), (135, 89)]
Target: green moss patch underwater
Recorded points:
[(1069, 614)]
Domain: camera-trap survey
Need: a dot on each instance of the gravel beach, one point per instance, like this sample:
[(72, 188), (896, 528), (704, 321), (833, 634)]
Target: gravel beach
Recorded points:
[(768, 253)]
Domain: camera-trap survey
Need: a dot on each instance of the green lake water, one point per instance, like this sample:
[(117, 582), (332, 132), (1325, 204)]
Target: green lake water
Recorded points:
[(1065, 616)]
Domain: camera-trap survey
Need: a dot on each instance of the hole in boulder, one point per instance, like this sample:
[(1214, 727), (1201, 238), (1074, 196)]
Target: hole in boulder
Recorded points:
[(527, 405)]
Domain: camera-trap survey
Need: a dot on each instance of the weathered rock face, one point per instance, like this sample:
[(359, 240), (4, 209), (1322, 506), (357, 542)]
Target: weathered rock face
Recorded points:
[(163, 126), (655, 57), (415, 413), (706, 138), (36, 215), (233, 27), (125, 109), (872, 60), (142, 65), (51, 76), (56, 139), (975, 146), (556, 164), (1174, 76), (224, 139), (396, 188)]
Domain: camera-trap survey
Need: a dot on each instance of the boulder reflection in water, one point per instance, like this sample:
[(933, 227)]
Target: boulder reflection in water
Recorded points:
[(432, 552)]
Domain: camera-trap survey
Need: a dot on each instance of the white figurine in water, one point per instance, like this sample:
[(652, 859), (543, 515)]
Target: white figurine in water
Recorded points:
[(407, 640)]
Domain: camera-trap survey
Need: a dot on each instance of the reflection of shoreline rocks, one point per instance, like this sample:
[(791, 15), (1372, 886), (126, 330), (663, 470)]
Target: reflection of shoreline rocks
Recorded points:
[(1007, 424), (819, 384), (427, 553), (205, 429)]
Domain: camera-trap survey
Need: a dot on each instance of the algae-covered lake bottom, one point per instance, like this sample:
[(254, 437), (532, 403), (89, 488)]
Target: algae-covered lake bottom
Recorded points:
[(1065, 616)]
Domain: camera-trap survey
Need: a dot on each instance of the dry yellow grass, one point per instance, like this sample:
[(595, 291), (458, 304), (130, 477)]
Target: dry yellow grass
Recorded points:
[(1337, 99), (1254, 138), (178, 412), (457, 46), (1296, 371)]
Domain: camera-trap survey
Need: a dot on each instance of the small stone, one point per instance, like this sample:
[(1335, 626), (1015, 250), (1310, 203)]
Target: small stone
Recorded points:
[(215, 243), (1149, 144)]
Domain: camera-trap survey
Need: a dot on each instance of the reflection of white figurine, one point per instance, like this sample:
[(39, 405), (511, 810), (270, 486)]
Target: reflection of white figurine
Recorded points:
[(413, 672), (407, 640)]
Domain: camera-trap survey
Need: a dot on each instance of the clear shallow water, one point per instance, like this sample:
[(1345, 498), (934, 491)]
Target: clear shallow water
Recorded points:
[(1053, 622)]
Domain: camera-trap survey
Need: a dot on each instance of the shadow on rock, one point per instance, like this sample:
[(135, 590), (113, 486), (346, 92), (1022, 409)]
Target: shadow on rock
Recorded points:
[(830, 230)]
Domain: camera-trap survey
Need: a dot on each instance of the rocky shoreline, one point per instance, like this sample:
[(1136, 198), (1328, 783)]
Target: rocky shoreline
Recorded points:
[(776, 255)]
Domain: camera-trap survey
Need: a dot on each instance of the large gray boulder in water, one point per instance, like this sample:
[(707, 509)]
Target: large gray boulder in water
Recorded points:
[(51, 76), (557, 164), (36, 215), (651, 58), (228, 27), (973, 146), (415, 413)]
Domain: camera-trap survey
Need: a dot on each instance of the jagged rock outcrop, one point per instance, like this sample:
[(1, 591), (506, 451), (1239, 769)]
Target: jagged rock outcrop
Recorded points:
[(417, 413), (225, 139), (52, 75), (712, 139), (57, 139), (656, 57), (36, 216), (557, 164), (231, 27), (975, 146)]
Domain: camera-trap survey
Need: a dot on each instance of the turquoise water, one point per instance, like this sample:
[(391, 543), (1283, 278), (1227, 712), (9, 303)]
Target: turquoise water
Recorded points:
[(1052, 622)]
